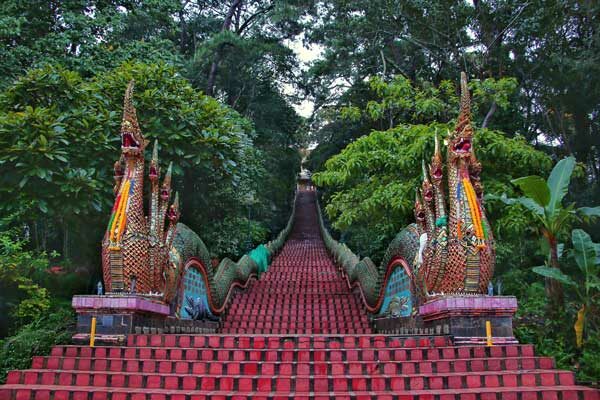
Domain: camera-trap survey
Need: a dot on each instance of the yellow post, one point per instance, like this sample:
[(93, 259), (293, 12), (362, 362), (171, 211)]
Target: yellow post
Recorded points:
[(488, 332), (93, 332)]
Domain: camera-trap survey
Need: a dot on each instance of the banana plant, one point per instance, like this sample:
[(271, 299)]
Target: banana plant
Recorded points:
[(587, 287), (544, 198)]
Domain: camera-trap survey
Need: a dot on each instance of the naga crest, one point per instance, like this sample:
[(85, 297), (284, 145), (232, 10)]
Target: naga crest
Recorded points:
[(459, 256), (460, 141), (135, 246), (132, 140)]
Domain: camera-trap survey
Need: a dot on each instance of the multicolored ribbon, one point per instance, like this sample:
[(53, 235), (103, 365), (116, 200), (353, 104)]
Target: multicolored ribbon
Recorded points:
[(118, 219), (475, 212)]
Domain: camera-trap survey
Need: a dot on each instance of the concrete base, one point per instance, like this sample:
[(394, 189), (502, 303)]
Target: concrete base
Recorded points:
[(465, 316), (117, 315)]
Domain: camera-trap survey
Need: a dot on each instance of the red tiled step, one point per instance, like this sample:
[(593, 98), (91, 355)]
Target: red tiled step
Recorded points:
[(296, 354), (42, 392), (287, 341), (318, 382), (300, 368)]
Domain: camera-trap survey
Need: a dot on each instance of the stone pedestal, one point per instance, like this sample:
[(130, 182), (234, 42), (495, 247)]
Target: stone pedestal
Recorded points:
[(117, 315), (465, 316)]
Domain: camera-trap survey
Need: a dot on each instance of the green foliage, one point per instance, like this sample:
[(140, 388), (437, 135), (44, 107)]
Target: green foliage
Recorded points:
[(551, 337), (87, 36), (490, 90), (235, 235), (371, 183), (399, 99), (555, 336), (544, 201), (585, 282), (21, 299), (589, 362), (550, 47), (36, 338), (68, 140)]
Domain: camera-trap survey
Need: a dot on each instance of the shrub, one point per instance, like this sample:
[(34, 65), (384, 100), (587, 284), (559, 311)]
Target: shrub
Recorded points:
[(36, 338)]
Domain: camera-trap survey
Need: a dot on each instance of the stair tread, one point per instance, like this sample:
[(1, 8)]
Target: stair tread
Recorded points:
[(214, 392)]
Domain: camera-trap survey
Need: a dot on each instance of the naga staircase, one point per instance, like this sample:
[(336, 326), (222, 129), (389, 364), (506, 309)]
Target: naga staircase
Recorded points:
[(302, 292), (297, 332)]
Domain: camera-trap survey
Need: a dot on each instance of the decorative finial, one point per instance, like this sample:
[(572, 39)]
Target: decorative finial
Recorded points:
[(424, 170), (129, 113), (465, 98), (167, 180), (155, 151), (463, 130)]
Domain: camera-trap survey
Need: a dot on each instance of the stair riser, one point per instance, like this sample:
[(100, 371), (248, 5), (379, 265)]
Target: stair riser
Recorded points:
[(288, 342), (330, 368), (95, 394), (308, 383), (306, 331), (448, 353)]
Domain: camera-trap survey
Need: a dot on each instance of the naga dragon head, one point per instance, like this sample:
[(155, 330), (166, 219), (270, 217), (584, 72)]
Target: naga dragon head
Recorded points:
[(419, 210), (173, 212), (132, 140), (437, 164), (426, 187), (460, 141)]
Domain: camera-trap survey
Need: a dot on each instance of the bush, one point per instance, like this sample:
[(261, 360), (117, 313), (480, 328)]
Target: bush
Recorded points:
[(21, 299), (36, 338)]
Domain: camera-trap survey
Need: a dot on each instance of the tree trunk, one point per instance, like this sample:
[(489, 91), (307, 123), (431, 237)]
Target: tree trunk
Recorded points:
[(66, 254), (554, 289), (182, 30), (212, 74), (489, 114)]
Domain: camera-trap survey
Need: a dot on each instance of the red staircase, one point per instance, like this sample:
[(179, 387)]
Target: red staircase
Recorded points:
[(297, 333), (301, 292)]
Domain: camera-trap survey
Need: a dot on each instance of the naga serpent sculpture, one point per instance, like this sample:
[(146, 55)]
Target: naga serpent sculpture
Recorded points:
[(154, 253), (444, 251)]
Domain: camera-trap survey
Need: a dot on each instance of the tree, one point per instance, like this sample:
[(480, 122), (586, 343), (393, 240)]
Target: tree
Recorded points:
[(587, 288), (60, 161), (369, 186), (21, 298), (544, 200), (88, 36), (550, 47)]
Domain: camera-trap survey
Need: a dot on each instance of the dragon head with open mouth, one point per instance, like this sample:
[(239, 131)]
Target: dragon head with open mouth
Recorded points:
[(460, 145), (426, 187), (419, 211), (132, 140)]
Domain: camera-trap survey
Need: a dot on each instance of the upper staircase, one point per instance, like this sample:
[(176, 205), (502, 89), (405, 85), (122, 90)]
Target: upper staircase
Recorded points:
[(302, 291), (298, 332)]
